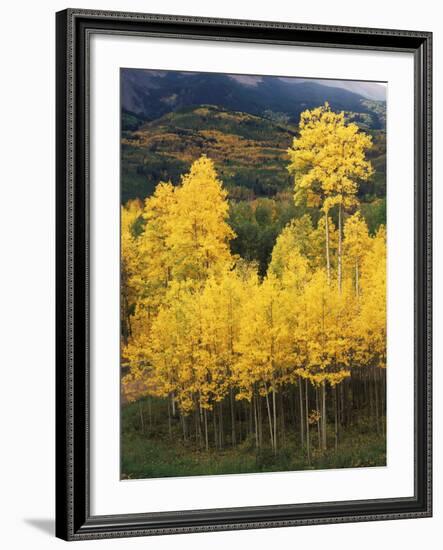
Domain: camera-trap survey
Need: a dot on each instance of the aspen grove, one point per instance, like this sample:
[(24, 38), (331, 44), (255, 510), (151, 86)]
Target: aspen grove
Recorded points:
[(297, 354)]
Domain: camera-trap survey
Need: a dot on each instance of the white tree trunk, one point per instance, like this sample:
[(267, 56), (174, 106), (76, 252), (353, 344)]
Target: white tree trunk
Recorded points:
[(271, 432), (339, 266), (324, 445), (274, 407), (328, 256), (308, 443), (302, 424)]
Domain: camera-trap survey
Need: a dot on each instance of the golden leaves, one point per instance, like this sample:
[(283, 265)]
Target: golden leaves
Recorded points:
[(328, 159), (201, 322)]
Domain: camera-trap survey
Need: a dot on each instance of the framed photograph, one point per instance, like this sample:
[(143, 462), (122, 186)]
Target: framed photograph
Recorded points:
[(243, 274)]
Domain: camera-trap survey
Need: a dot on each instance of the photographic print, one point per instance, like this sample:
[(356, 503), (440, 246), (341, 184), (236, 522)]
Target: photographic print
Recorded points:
[(253, 273)]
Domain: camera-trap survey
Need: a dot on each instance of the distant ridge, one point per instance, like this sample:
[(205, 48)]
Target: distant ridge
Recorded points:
[(152, 94)]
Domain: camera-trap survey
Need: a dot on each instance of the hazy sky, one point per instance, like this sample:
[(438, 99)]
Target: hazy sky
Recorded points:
[(369, 90)]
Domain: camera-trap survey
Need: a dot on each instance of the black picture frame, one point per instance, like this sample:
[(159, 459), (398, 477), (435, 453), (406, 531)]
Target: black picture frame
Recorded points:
[(73, 518)]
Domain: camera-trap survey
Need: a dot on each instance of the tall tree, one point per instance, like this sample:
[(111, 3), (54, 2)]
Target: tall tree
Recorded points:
[(370, 323), (198, 232), (265, 348), (356, 244), (327, 160), (155, 267), (131, 214)]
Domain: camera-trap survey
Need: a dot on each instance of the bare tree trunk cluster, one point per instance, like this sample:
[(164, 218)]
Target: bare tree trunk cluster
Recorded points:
[(313, 417)]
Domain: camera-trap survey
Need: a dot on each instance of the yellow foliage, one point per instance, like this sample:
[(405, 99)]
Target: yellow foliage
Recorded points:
[(328, 158), (198, 234), (201, 323), (370, 324)]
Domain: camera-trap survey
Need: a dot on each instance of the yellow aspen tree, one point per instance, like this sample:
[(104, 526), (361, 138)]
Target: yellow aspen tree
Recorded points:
[(327, 160), (327, 317), (317, 240), (155, 256), (356, 244), (149, 275), (175, 361), (131, 215), (287, 263), (370, 324), (264, 348), (198, 232), (222, 302), (293, 270), (185, 238)]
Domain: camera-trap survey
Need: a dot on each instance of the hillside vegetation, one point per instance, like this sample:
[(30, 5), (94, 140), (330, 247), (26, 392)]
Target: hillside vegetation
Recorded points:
[(249, 151)]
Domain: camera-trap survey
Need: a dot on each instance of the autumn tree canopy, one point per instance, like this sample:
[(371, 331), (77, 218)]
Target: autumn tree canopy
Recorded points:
[(202, 328)]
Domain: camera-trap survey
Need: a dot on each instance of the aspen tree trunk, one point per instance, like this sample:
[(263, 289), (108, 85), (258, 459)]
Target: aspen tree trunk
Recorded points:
[(220, 425), (206, 429), (320, 419), (339, 265), (173, 403), (363, 397), (336, 417), (282, 420), (270, 419), (323, 386), (274, 408), (254, 399), (338, 407), (302, 424), (231, 392), (308, 445), (214, 418), (293, 408), (371, 396), (383, 402), (183, 422), (142, 420), (376, 402), (150, 412), (350, 408), (232, 404), (324, 415), (198, 438), (240, 422), (328, 256), (260, 422), (169, 419)]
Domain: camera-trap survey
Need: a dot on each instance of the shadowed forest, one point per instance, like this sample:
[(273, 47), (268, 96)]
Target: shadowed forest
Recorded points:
[(253, 291)]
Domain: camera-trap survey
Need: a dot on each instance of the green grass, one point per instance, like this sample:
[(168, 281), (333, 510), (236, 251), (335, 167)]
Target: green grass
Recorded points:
[(156, 454)]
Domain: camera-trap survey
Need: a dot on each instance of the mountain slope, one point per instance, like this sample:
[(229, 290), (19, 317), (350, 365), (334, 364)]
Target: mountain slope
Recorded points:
[(249, 151), (151, 94)]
